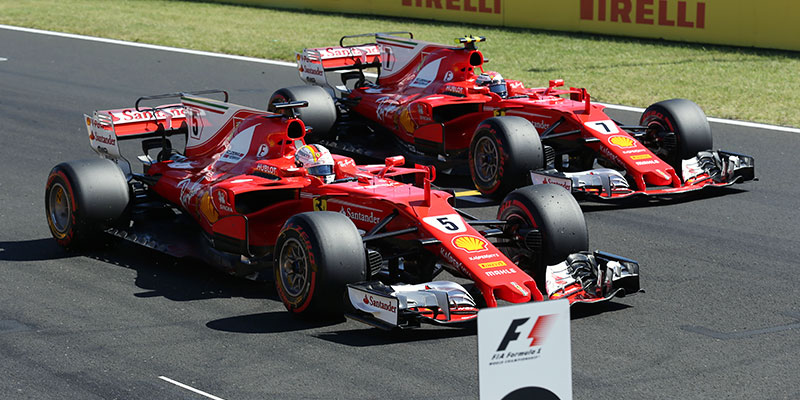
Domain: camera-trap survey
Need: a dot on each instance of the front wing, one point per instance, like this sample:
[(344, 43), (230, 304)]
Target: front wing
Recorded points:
[(708, 169), (583, 278)]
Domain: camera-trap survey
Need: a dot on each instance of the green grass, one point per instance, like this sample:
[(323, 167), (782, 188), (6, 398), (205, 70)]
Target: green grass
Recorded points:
[(727, 82)]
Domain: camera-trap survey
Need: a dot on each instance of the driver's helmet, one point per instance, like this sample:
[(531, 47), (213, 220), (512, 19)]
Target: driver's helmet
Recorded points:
[(495, 82), (317, 161)]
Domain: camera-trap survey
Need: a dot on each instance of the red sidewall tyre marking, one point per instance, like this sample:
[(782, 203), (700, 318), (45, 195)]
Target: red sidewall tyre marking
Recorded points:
[(300, 304), (501, 161)]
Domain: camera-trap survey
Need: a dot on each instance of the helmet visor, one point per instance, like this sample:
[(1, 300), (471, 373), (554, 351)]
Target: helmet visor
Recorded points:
[(499, 88), (320, 170)]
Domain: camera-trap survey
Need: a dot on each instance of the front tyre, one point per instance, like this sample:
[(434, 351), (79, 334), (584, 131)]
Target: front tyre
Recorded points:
[(545, 225), (316, 255), (82, 198), (320, 114), (677, 130), (502, 152)]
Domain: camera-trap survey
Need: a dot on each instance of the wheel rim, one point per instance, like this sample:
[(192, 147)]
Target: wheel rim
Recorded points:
[(487, 159), (293, 264), (60, 208), (514, 223), (518, 253), (662, 145)]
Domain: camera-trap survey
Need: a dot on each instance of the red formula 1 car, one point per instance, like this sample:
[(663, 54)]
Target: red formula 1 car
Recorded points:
[(248, 195), (438, 106)]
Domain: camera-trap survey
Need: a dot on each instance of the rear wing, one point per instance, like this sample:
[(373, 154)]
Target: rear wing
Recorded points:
[(312, 64), (107, 127)]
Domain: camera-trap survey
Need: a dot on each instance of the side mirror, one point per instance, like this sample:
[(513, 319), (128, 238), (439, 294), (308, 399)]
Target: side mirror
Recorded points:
[(554, 83), (390, 162), (396, 161)]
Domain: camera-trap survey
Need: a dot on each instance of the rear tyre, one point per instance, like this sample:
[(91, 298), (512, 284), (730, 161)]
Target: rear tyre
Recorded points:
[(82, 198), (686, 120), (316, 255), (555, 213), (320, 113), (502, 152)]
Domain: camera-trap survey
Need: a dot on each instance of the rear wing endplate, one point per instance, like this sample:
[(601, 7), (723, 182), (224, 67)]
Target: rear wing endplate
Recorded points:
[(312, 64)]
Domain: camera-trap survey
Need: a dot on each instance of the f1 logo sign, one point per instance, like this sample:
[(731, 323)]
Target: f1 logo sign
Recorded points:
[(536, 334), (525, 346)]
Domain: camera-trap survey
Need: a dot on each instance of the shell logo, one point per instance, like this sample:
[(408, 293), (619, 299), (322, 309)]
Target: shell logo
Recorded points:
[(207, 209), (621, 141), (470, 244), (405, 121)]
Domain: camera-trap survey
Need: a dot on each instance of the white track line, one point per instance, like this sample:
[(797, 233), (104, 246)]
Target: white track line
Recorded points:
[(293, 65), (187, 387), (717, 120), (149, 46)]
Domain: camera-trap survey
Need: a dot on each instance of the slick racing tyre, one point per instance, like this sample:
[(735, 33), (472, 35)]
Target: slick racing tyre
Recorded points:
[(82, 198), (545, 225), (316, 255), (320, 114), (501, 154), (689, 124)]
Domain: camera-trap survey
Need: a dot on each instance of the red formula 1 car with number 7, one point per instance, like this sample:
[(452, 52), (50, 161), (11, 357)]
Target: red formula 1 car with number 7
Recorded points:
[(249, 196), (437, 105)]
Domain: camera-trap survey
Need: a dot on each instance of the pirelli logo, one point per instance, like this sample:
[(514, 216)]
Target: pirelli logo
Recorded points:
[(493, 264), (682, 14), (476, 6), (641, 157)]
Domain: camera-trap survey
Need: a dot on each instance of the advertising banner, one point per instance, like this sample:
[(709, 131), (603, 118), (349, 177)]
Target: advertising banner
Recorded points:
[(749, 23)]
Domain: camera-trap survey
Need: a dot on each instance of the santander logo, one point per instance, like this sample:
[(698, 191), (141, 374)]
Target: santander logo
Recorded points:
[(558, 182), (377, 303)]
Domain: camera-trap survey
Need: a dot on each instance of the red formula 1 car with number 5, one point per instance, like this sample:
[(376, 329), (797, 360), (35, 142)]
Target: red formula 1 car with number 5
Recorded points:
[(249, 196), (437, 105)]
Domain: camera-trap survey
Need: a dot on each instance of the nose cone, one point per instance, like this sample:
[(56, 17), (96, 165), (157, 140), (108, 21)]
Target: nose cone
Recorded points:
[(658, 177)]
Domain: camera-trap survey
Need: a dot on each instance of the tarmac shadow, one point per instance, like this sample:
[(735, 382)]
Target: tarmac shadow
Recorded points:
[(33, 250), (270, 322)]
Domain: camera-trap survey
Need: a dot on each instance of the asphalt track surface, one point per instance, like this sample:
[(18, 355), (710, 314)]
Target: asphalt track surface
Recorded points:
[(720, 318)]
